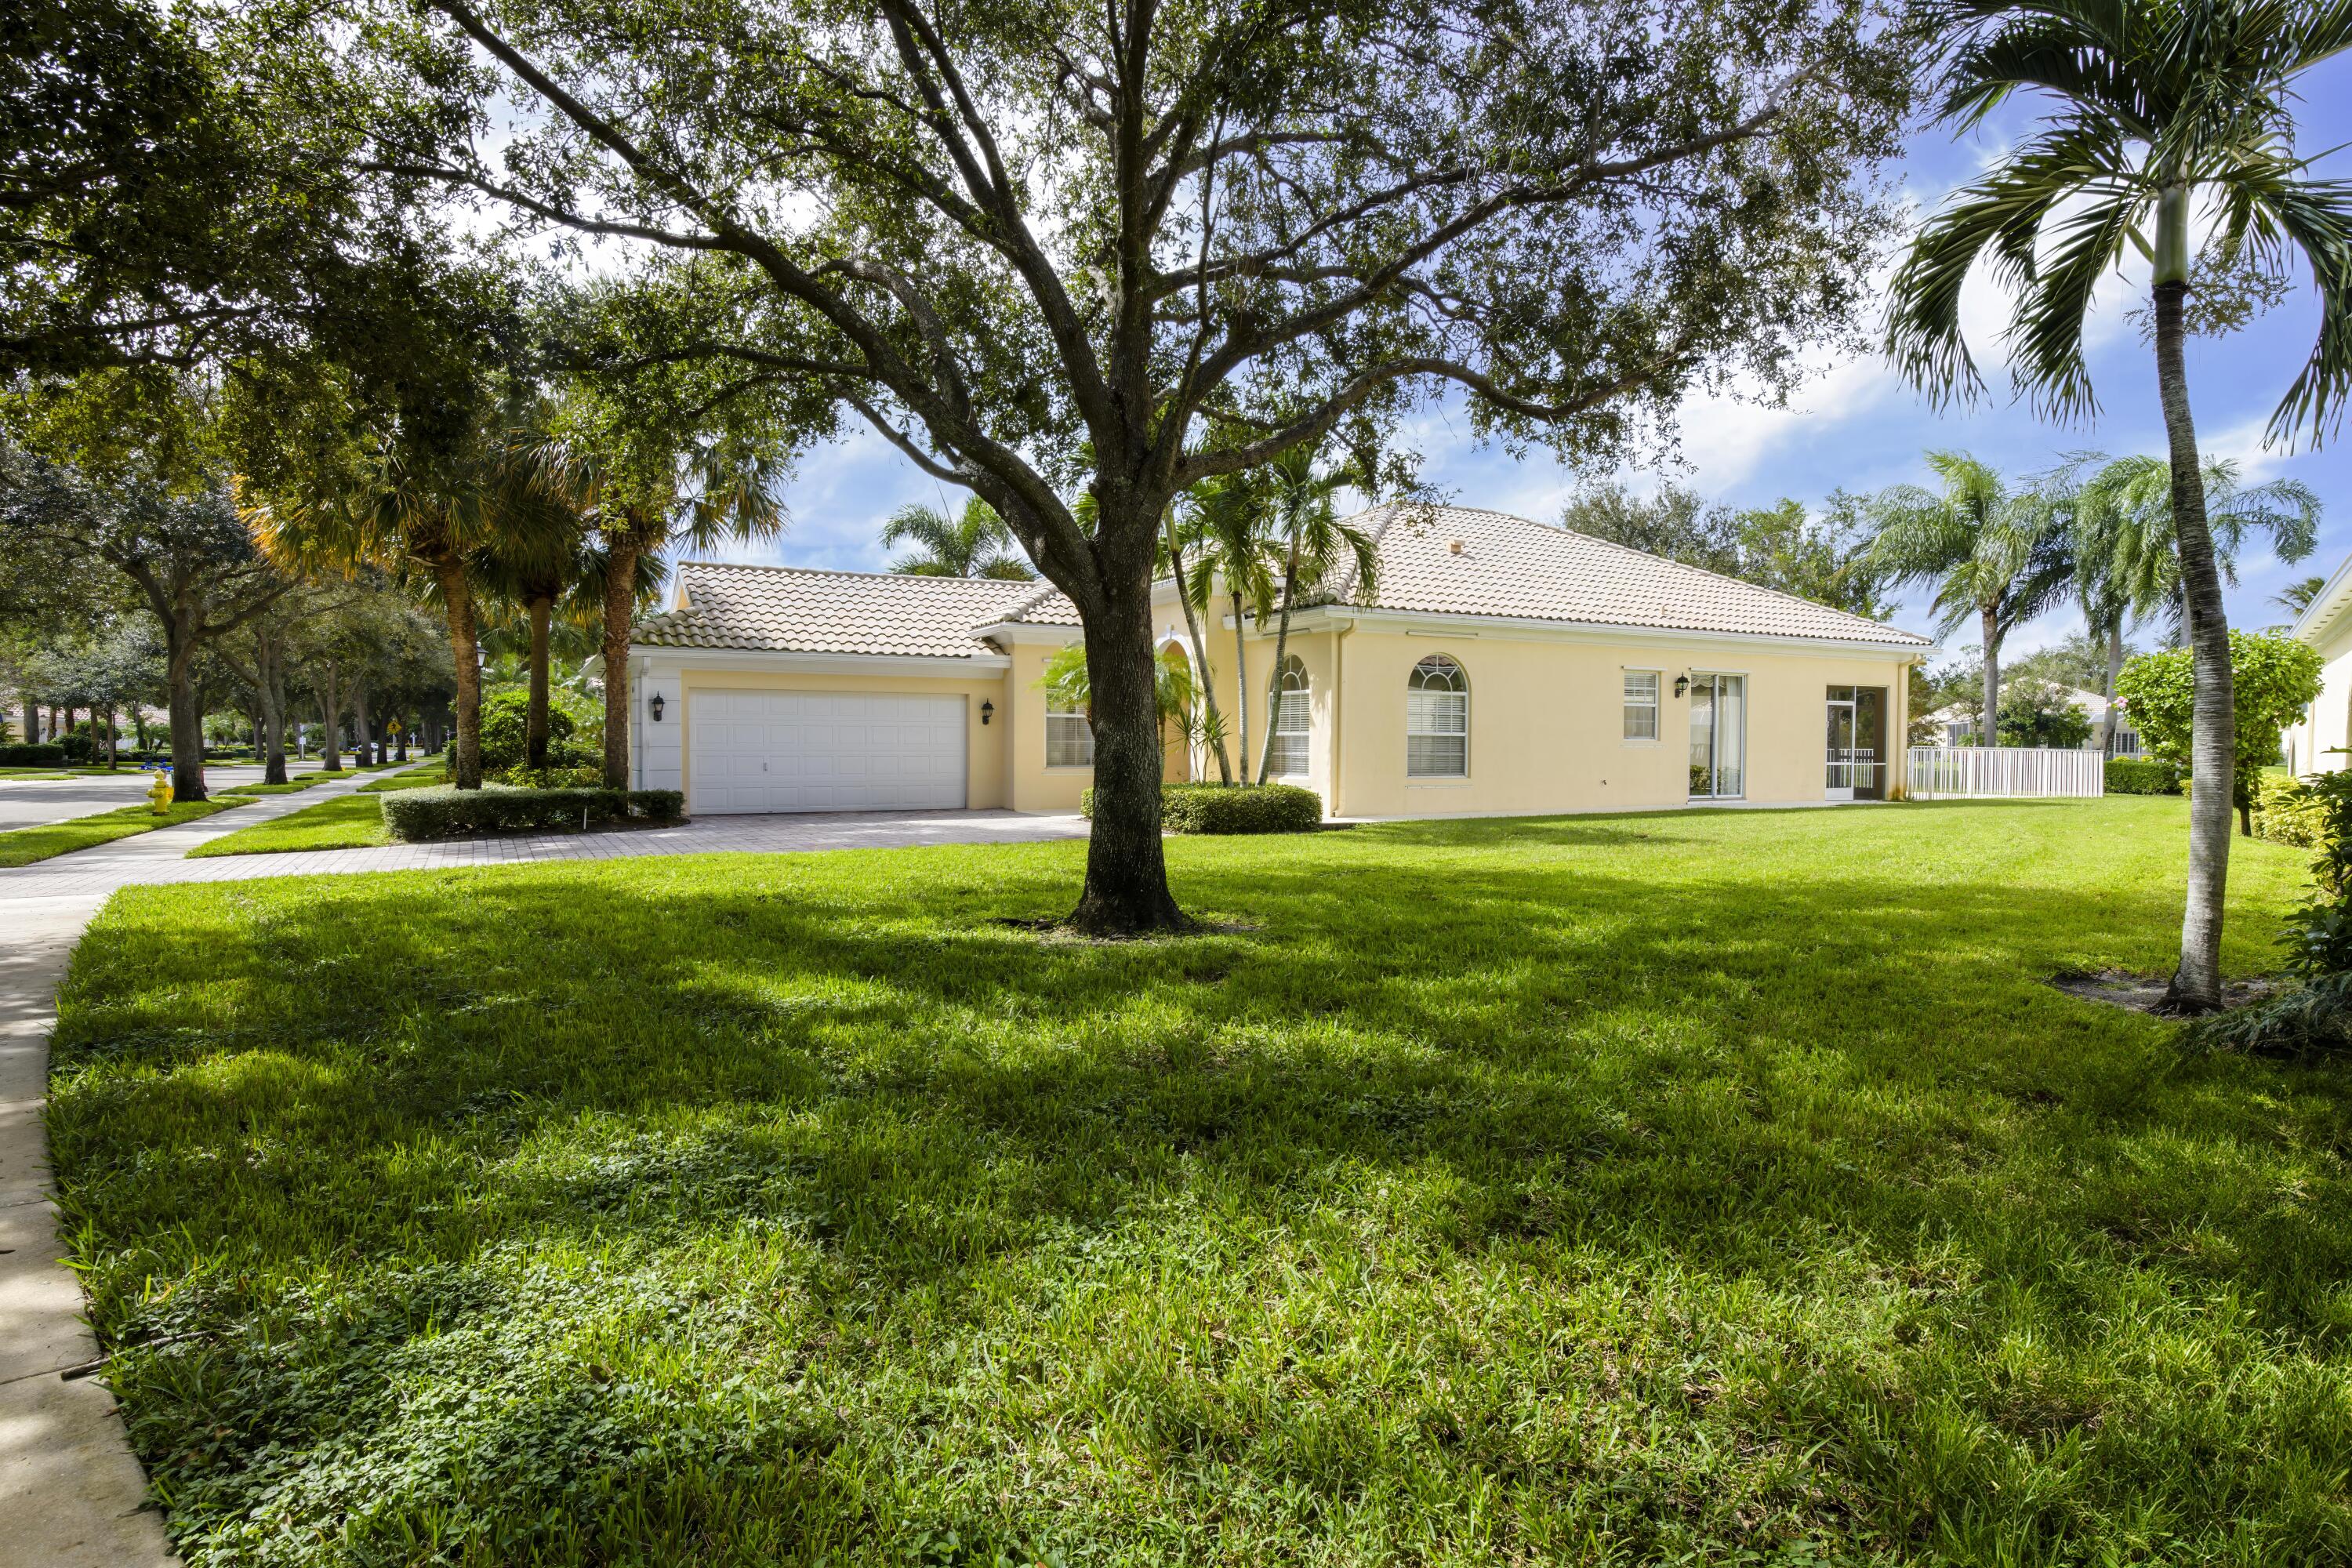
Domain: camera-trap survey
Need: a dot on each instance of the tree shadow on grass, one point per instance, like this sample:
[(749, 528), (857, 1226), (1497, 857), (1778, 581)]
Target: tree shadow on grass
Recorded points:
[(544, 1121)]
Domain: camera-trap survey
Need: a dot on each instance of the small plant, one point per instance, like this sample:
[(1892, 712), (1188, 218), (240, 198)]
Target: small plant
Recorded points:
[(2314, 1015)]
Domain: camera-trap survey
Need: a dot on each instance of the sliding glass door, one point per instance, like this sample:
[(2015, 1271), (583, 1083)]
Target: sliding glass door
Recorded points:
[(1718, 736)]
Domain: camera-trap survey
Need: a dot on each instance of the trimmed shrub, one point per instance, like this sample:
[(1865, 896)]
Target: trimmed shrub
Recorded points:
[(547, 778), (442, 812), (1231, 808), (2288, 811), (32, 755), (2142, 776)]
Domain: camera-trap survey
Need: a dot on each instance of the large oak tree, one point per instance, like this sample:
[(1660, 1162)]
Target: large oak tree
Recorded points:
[(1123, 247)]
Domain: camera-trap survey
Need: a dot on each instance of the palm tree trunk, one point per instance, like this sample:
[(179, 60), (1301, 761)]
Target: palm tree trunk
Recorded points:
[(1281, 650), (1989, 623), (2115, 670), (457, 602), (1208, 687), (534, 729), (2212, 748), (620, 603), (1240, 684)]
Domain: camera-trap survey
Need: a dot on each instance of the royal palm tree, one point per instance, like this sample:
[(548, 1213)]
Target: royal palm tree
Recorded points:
[(1991, 551), (1303, 531), (2157, 106), (976, 542)]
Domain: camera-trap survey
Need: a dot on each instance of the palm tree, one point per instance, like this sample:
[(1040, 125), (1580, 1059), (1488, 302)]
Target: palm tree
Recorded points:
[(973, 543), (1301, 525), (1991, 553), (536, 557), (413, 513), (2297, 596), (1180, 531), (2156, 104), (1228, 523), (2126, 549), (647, 499)]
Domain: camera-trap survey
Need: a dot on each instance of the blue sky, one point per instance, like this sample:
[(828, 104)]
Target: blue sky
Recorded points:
[(1853, 424)]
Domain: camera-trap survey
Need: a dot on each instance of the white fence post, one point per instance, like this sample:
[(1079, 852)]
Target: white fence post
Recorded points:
[(2004, 772)]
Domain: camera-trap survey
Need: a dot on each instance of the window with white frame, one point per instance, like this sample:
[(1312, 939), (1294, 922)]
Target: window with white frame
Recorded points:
[(1293, 721), (1642, 704), (1437, 719), (1070, 738)]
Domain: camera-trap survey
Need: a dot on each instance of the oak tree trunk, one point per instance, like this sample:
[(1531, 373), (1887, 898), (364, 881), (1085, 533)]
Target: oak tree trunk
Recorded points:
[(187, 715), (330, 717), (362, 732), (1126, 892), (2213, 746), (620, 603), (534, 730)]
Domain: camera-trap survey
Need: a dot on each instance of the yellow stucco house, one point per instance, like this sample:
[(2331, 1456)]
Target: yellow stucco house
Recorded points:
[(1498, 666), (2316, 745)]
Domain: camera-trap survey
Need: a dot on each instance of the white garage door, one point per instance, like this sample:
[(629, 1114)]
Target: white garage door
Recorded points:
[(824, 750)]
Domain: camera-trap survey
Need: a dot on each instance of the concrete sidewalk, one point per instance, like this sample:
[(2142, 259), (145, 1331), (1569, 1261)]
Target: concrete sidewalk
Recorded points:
[(72, 1493)]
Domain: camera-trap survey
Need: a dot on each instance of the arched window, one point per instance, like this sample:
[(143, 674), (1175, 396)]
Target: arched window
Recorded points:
[(1437, 720), (1293, 720)]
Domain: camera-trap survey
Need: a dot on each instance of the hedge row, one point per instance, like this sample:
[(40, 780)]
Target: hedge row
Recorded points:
[(449, 813), (1228, 808), (31, 754), (2142, 776)]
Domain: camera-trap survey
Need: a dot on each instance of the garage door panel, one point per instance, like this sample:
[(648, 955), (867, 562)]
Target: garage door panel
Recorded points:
[(826, 751)]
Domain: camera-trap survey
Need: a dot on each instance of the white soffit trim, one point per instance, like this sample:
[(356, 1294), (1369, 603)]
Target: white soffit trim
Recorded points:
[(1523, 629), (983, 666), (2321, 614), (1028, 632)]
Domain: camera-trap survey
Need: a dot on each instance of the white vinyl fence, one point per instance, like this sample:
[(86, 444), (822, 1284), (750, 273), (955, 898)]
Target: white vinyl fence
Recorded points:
[(2004, 772)]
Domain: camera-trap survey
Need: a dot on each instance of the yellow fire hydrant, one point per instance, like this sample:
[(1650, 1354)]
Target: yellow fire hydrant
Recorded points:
[(159, 794)]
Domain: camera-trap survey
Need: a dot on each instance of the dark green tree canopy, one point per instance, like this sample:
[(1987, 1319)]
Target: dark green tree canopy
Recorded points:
[(1002, 232)]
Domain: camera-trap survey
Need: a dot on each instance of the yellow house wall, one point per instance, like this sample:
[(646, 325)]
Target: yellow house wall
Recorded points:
[(1030, 784), (2328, 723), (1547, 723), (985, 746)]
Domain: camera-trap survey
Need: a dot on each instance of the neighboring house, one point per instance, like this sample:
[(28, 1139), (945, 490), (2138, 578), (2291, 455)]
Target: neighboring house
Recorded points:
[(1955, 724), (2315, 745), (1501, 666)]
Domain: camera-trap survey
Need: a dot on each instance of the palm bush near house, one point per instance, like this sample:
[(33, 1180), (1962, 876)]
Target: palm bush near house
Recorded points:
[(504, 716), (2313, 1014), (2142, 776), (1702, 1188), (1228, 808)]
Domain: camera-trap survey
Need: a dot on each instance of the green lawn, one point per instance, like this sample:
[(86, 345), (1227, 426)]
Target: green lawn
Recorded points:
[(23, 845), (33, 773), (1698, 1188), (348, 821)]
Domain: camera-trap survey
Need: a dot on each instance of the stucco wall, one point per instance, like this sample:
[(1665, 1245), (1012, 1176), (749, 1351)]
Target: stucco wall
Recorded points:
[(2328, 723), (1546, 724)]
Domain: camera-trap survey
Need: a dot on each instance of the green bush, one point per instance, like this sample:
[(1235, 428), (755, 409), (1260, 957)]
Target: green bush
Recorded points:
[(441, 812), (2142, 776), (1228, 808), (519, 777), (32, 755), (2288, 811), (505, 715)]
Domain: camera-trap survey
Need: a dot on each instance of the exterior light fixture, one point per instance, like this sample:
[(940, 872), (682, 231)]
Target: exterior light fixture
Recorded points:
[(1682, 684), (657, 706), (987, 711)]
